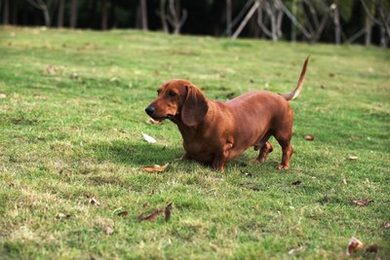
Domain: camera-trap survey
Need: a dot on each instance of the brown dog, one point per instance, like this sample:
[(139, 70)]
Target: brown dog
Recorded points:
[(215, 132)]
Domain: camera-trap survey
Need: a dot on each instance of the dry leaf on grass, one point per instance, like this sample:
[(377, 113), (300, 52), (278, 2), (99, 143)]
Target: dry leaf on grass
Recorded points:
[(372, 248), (62, 216), (309, 137), (94, 201), (2, 95), (123, 213), (149, 139), (296, 250), (296, 183), (155, 168), (168, 211), (150, 217), (352, 157), (362, 203), (386, 225), (354, 245), (108, 230), (50, 70)]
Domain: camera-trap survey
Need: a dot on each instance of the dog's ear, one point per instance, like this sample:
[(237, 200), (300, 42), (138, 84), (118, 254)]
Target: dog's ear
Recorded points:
[(194, 107)]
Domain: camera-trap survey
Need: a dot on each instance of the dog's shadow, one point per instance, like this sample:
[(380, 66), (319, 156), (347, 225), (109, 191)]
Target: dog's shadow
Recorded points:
[(135, 153), (140, 154)]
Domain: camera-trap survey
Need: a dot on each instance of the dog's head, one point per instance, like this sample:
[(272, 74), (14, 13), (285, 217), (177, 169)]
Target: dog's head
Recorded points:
[(179, 99)]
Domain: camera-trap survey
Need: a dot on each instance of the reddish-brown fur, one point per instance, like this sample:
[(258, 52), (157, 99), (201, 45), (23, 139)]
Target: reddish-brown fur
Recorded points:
[(215, 132)]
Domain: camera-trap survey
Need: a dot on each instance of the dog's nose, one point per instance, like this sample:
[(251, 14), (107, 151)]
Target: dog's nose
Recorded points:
[(150, 110)]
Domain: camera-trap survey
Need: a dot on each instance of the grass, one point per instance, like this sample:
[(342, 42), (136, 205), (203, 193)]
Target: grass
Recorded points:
[(74, 133)]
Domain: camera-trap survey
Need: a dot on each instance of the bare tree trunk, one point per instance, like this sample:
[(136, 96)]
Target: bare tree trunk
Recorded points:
[(272, 14), (40, 4), (294, 11), (174, 16), (229, 17), (6, 12), (336, 21), (144, 15), (15, 13), (262, 26), (246, 19), (104, 15), (73, 14), (163, 16), (368, 30), (60, 18), (383, 37)]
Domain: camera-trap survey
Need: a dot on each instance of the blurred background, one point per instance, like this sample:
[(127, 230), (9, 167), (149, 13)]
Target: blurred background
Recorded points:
[(332, 21)]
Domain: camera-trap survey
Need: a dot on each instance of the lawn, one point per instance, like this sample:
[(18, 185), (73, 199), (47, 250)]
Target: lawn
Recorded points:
[(71, 149)]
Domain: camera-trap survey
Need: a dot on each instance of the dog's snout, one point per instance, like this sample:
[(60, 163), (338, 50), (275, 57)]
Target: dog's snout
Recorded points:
[(150, 110)]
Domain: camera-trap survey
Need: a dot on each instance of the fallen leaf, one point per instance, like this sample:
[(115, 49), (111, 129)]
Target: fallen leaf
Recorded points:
[(354, 245), (247, 174), (386, 225), (362, 203), (149, 139), (50, 70), (296, 250), (372, 248), (74, 76), (155, 168), (298, 182), (2, 95), (62, 216), (345, 181), (108, 230), (168, 211), (94, 201), (309, 137), (352, 157), (150, 217), (123, 213)]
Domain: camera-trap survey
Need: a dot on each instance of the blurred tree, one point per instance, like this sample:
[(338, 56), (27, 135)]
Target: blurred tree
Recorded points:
[(60, 15), (40, 4), (104, 11), (175, 16), (229, 17), (6, 12), (144, 15), (73, 13)]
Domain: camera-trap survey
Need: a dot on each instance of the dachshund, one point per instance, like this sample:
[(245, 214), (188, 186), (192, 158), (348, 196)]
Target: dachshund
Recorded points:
[(215, 132)]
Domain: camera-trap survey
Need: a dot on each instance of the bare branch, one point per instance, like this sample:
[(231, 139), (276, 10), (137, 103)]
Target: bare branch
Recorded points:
[(246, 19)]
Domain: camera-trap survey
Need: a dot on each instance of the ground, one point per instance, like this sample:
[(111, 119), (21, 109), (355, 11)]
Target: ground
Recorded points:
[(71, 155)]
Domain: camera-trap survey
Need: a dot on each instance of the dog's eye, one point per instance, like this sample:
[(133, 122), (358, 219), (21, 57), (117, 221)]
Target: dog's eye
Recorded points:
[(172, 94)]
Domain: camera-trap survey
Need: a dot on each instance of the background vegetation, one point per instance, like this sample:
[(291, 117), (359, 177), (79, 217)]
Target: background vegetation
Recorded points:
[(346, 21)]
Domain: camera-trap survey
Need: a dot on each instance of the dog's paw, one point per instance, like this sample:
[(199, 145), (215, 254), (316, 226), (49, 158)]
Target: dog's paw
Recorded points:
[(282, 167)]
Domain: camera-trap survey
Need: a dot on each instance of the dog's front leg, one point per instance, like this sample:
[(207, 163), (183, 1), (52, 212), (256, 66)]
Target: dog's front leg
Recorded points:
[(219, 162), (222, 157)]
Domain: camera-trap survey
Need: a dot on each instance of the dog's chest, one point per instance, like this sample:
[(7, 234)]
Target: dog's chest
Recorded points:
[(199, 151)]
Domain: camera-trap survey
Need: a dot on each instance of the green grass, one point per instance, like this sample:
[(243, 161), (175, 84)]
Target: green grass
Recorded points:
[(76, 134)]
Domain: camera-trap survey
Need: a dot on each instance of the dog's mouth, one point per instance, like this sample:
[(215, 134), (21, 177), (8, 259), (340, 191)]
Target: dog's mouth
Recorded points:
[(161, 118)]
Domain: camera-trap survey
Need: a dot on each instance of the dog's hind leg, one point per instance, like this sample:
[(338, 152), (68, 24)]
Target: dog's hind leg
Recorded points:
[(284, 138), (265, 148)]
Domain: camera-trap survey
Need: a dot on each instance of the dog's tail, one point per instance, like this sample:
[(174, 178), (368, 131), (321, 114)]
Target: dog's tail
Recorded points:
[(295, 93)]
